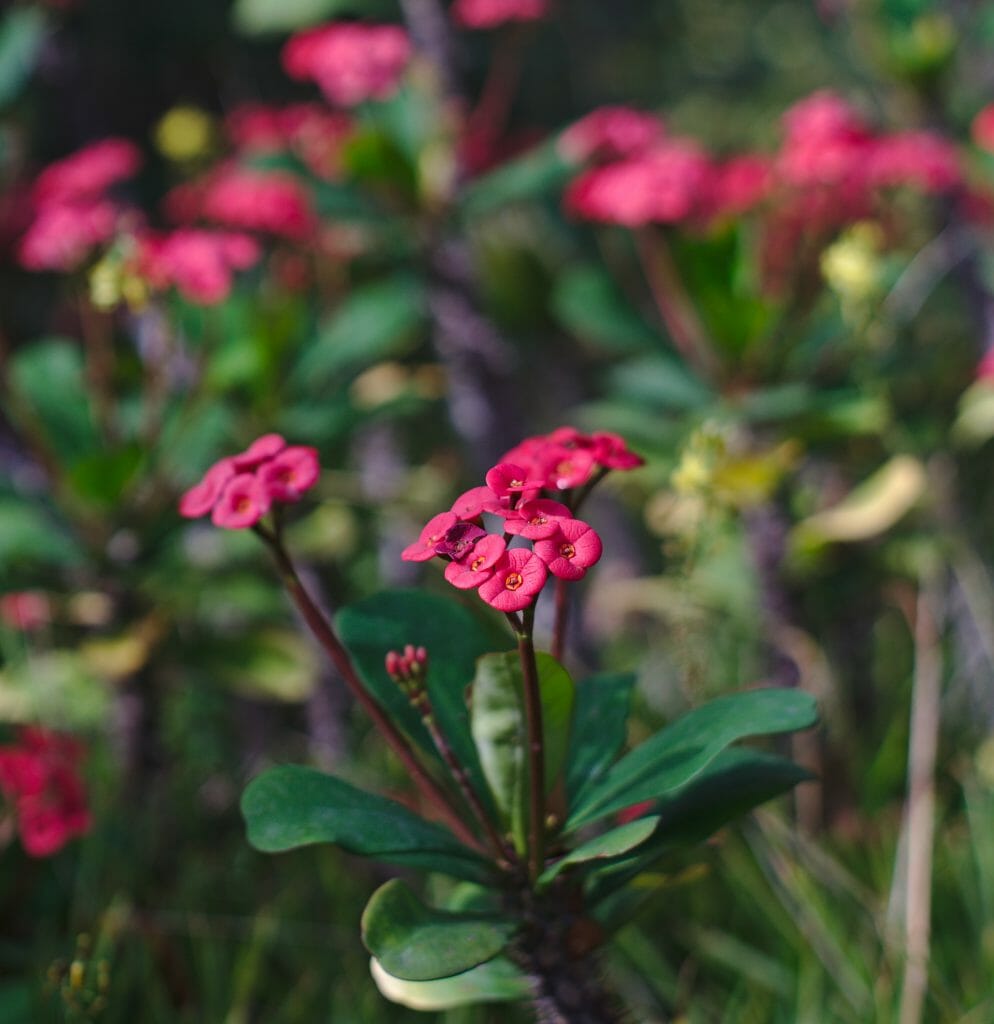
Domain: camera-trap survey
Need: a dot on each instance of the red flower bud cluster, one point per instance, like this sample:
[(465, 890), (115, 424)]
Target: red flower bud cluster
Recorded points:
[(407, 666), (239, 490), (73, 211), (39, 776), (510, 578)]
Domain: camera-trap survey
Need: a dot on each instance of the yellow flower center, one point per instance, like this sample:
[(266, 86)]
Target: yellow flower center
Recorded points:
[(513, 581), (567, 550)]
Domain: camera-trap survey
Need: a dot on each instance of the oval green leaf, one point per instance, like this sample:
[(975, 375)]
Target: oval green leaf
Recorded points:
[(414, 942), (672, 758), (293, 806)]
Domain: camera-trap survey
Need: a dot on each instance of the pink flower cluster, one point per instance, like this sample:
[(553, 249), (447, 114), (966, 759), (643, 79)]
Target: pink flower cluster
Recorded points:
[(349, 61), (829, 169), (610, 133), (239, 490), (271, 202), (510, 578), (39, 776), (199, 263), (73, 212), (491, 13), (310, 131)]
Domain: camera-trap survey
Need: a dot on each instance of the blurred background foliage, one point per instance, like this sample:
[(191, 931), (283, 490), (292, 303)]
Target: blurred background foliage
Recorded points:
[(801, 520)]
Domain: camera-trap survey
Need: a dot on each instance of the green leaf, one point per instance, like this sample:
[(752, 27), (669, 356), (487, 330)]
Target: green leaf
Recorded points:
[(454, 639), (376, 321), (48, 380), (672, 758), (599, 729), (293, 806), (498, 726), (735, 782), (260, 17), (418, 943), (539, 172), (21, 34), (103, 476), (588, 304), (558, 693), (28, 536), (604, 847), (660, 382), (496, 981)]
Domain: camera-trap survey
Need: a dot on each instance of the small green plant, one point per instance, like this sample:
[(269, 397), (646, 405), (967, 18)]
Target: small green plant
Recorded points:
[(524, 795)]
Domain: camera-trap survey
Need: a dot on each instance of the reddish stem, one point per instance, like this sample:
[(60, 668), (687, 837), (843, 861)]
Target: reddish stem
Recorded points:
[(332, 646), (674, 305), (561, 620), (536, 746)]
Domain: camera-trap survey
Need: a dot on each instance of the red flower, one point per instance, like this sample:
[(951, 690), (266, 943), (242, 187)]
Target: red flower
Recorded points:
[(611, 451), (507, 479), (609, 133), (517, 579), (572, 551), (536, 519), (667, 184), (350, 62), (289, 474), (920, 160), (87, 173), (491, 13), (478, 566), (259, 451), (459, 540), (433, 533), (201, 498), (242, 503), (63, 234), (199, 263), (474, 502), (270, 201), (40, 776)]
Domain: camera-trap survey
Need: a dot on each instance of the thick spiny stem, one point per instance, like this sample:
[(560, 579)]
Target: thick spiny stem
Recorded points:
[(536, 746)]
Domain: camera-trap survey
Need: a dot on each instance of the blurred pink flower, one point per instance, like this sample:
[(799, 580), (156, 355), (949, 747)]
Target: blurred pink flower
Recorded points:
[(198, 262), (201, 498), (289, 474), (670, 183), (491, 13), (63, 234), (609, 133), (350, 62), (87, 173), (254, 200), (40, 776), (243, 501)]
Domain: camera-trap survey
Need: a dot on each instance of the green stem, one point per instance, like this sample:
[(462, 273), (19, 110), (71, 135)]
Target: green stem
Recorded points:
[(332, 646), (536, 746)]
